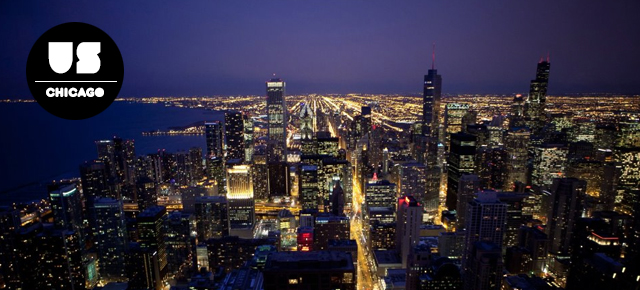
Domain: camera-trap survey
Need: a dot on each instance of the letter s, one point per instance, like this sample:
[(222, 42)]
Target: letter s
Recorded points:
[(88, 59)]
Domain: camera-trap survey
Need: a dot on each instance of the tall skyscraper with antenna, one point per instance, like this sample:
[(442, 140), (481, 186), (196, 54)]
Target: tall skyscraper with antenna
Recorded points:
[(431, 100), (534, 111)]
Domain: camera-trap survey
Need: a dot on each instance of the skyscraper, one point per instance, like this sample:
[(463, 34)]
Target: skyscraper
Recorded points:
[(485, 222), (260, 172), (152, 235), (409, 219), (516, 144), (212, 217), (277, 120), (566, 208), (453, 115), (461, 160), (234, 135), (309, 188), (548, 163), (431, 97), (468, 186), (248, 137), (110, 236), (240, 198), (534, 111), (214, 138), (484, 267), (413, 180), (66, 206), (58, 259)]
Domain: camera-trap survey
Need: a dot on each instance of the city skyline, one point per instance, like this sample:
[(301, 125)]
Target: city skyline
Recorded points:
[(370, 158)]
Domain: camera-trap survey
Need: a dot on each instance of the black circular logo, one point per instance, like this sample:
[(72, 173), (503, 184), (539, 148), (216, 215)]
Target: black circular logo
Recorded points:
[(75, 70)]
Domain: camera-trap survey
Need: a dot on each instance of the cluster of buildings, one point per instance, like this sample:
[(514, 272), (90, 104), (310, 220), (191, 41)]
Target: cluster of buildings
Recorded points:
[(318, 196)]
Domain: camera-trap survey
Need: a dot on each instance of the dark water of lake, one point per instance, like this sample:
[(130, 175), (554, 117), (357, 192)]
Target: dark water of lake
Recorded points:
[(37, 147)]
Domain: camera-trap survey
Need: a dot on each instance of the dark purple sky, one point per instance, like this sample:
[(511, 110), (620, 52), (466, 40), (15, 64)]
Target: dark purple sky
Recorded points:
[(232, 47)]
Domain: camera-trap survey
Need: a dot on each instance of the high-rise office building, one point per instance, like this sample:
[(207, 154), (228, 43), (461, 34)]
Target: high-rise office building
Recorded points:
[(516, 144), (248, 137), (366, 122), (443, 275), (461, 160), (152, 235), (566, 208), (94, 180), (453, 115), (260, 172), (240, 197), (278, 180), (216, 172), (233, 252), (409, 219), (468, 186), (491, 166), (58, 260), (105, 149), (143, 268), (549, 162), (212, 217), (515, 220), (534, 110), (329, 227), (485, 222), (277, 120), (67, 208), (431, 98), (432, 188), (180, 242), (195, 156), (214, 137), (124, 156), (109, 230), (484, 267), (309, 188), (413, 180), (380, 193), (234, 135), (146, 194), (627, 160)]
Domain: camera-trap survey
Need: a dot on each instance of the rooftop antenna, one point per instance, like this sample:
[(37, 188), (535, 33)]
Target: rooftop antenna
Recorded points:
[(433, 57)]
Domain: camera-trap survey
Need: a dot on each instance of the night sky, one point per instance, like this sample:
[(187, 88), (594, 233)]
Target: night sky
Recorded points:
[(232, 47)]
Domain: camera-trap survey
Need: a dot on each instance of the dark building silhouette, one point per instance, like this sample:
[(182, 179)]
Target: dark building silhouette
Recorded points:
[(461, 161), (534, 110), (565, 210), (234, 135), (310, 270)]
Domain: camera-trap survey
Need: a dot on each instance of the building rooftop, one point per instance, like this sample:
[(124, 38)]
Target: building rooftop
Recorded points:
[(306, 261), (153, 211), (387, 257)]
